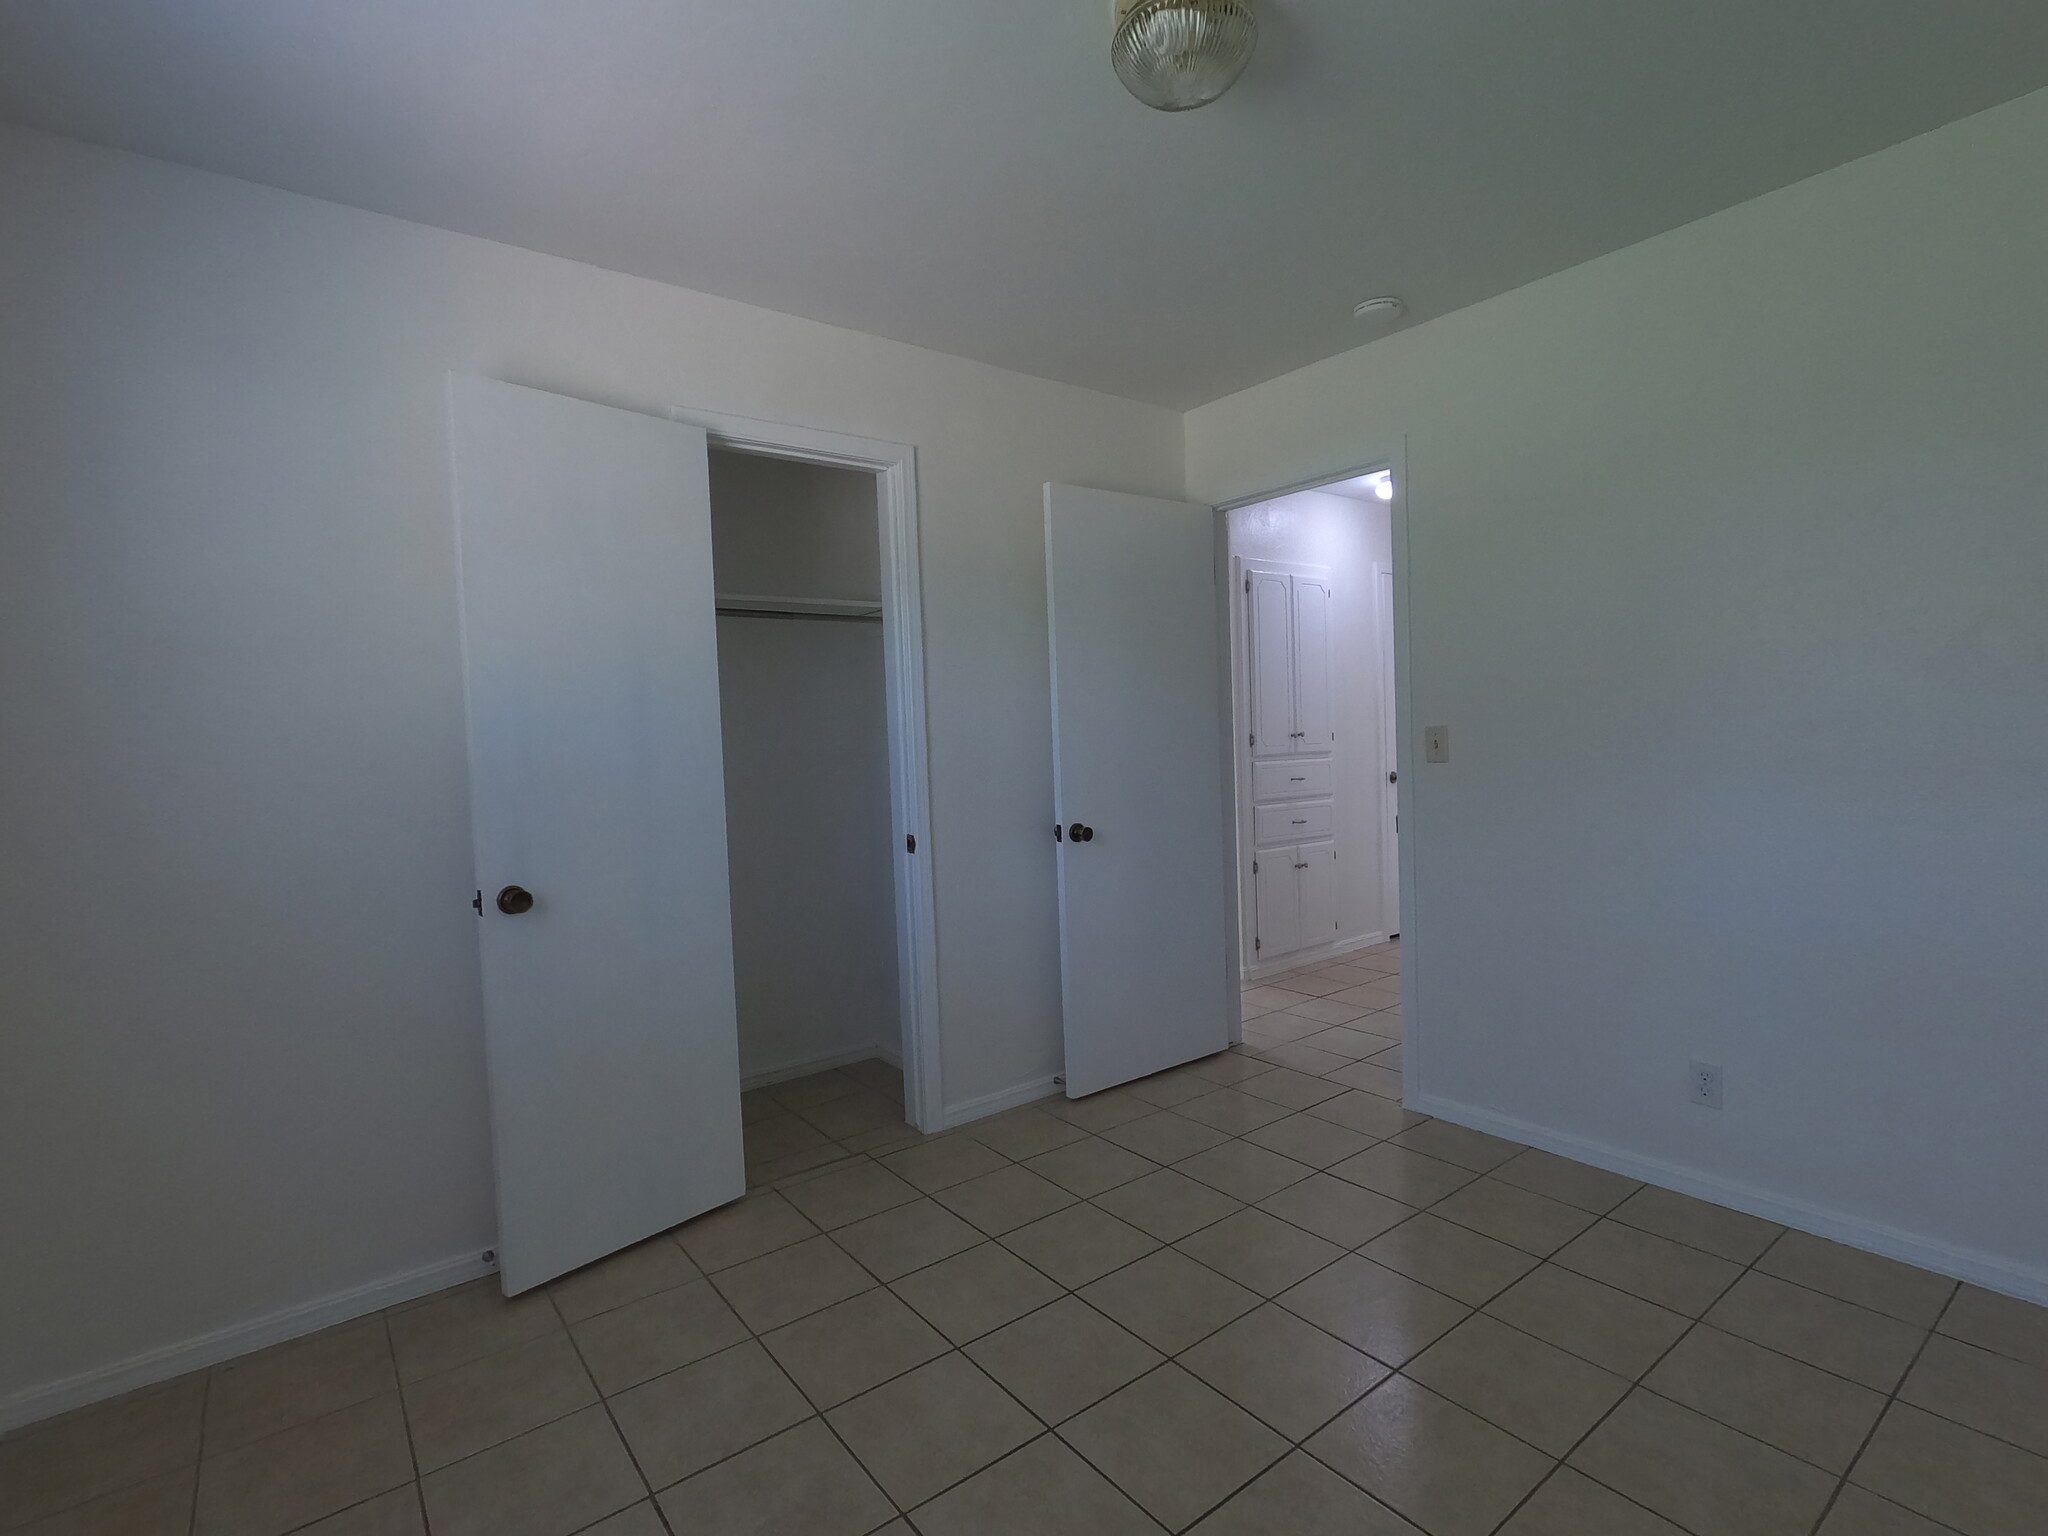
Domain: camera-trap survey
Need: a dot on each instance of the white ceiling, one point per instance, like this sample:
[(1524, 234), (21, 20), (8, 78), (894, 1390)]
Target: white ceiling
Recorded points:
[(968, 175)]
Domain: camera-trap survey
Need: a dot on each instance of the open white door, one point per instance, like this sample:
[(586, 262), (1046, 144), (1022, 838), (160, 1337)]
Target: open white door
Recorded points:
[(597, 786), (1140, 723)]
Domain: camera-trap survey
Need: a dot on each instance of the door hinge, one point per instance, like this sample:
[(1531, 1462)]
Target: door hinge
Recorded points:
[(910, 842), (1247, 583), (1257, 942), (1252, 740), (478, 902)]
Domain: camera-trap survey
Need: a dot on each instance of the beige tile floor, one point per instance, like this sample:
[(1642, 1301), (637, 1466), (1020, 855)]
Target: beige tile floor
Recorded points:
[(1247, 1297)]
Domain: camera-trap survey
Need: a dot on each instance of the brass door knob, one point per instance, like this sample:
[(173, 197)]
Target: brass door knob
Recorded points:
[(1079, 833), (515, 899)]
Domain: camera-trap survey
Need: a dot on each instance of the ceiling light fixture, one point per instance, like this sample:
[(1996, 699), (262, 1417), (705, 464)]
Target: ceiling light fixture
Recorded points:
[(1386, 307), (1180, 54)]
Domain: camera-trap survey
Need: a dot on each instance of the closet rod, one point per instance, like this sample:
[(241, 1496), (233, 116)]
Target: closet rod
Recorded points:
[(799, 613)]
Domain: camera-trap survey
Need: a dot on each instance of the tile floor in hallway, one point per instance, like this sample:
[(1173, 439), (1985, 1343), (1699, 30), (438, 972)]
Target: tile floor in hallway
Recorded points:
[(1248, 1297)]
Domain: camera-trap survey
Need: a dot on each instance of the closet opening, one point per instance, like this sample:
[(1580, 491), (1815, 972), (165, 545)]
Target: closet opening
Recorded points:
[(1315, 756), (804, 713)]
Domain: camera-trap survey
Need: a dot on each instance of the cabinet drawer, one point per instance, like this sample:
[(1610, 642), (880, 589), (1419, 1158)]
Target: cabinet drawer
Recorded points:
[(1298, 780), (1293, 823)]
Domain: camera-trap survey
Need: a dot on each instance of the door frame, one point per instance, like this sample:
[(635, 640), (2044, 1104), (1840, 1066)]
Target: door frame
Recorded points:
[(894, 466), (1389, 454), (1387, 691)]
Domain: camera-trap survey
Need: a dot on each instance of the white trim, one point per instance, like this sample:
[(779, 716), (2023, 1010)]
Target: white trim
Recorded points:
[(1301, 959), (1226, 690), (894, 466), (1987, 1270), (1410, 845), (161, 1364), (789, 1070), (1386, 690), (995, 1103)]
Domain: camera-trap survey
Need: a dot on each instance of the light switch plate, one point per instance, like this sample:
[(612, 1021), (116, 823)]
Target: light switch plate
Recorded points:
[(1436, 743)]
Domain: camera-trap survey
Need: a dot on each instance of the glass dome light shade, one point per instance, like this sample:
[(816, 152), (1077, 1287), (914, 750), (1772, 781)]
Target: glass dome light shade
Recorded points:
[(1178, 54)]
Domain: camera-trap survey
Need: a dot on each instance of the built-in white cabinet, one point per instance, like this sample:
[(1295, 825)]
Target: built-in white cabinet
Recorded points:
[(1291, 707), (1296, 891), (1291, 710)]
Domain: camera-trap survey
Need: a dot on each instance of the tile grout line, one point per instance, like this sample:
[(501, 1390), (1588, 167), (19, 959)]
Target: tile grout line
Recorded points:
[(1073, 1293), (199, 1459), (759, 1340), (605, 1402), (852, 1158), (1883, 1413), (1263, 1300), (1640, 1384), (1243, 1205), (412, 1452), (1267, 1300)]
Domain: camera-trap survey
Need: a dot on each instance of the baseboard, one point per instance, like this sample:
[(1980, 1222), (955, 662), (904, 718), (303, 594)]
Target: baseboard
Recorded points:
[(782, 1074), (161, 1364), (1987, 1270), (1295, 959), (996, 1103)]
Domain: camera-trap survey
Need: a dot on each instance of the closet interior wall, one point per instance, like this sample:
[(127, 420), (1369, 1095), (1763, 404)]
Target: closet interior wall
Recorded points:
[(804, 709)]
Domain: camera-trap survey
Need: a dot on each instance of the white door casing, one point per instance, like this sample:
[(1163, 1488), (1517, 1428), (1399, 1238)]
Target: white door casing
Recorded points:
[(1390, 759), (596, 777), (1140, 743)]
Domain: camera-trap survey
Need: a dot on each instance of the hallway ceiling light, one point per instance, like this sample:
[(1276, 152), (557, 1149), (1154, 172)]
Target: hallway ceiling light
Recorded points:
[(1180, 54)]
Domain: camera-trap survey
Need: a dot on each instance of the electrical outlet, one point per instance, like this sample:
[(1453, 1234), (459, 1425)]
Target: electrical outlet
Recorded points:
[(1703, 1084), (1436, 743)]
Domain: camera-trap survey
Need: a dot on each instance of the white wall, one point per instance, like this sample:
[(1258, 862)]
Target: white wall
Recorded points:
[(1726, 561), (241, 1061), (804, 710), (1348, 536)]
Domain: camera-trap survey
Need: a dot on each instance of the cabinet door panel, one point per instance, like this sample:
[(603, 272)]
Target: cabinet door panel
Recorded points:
[(1316, 864), (1272, 664), (1277, 888), (1313, 723)]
